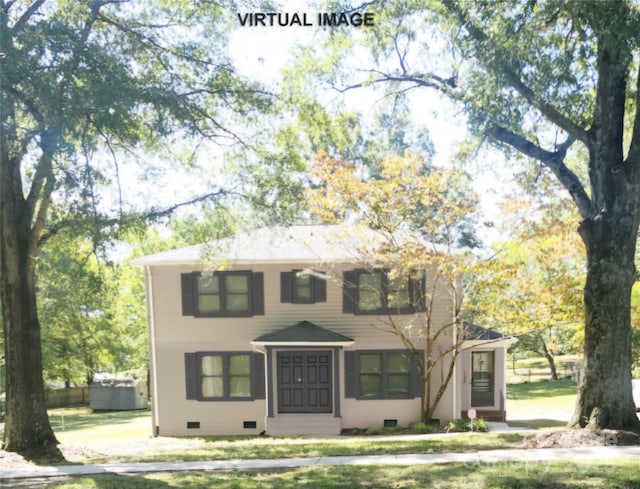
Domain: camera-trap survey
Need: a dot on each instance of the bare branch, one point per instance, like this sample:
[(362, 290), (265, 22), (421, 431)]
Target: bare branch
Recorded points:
[(445, 85)]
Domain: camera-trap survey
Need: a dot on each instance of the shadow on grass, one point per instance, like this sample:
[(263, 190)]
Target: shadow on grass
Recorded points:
[(46, 454), (538, 424), (261, 448), (80, 418), (563, 475), (539, 390)]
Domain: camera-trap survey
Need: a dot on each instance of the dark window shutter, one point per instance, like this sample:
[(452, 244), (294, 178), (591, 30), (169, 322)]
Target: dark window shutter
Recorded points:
[(257, 378), (319, 290), (257, 293), (418, 291), (286, 287), (415, 374), (350, 374), (187, 286), (349, 291), (191, 375)]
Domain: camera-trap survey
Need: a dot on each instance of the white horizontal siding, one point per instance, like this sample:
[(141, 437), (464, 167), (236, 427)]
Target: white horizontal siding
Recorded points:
[(303, 424), (176, 334), (369, 413)]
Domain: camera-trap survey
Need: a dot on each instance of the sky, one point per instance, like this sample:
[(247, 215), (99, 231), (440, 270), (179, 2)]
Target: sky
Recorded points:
[(262, 52)]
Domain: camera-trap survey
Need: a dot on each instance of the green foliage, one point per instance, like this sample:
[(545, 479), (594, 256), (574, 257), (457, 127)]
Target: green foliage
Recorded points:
[(461, 425), (91, 315), (416, 214), (421, 427), (532, 286)]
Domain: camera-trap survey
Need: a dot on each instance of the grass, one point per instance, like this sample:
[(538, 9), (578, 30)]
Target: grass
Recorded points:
[(135, 445), (618, 473), (544, 403), (537, 369), (78, 424), (534, 402), (132, 430), (555, 399)]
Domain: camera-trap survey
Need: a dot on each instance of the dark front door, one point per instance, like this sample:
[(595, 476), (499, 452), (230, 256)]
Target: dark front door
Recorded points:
[(482, 378), (304, 382)]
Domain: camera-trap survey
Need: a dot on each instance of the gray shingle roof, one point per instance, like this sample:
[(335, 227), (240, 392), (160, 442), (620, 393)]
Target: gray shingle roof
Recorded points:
[(304, 331), (475, 332), (337, 243)]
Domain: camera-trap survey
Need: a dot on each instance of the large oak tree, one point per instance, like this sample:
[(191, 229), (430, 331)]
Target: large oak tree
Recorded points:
[(78, 77), (544, 79)]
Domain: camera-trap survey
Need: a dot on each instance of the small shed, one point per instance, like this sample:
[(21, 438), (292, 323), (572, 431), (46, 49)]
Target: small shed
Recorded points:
[(118, 395)]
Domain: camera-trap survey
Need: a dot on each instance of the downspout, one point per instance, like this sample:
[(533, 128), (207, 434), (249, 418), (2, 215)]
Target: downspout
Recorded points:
[(455, 414), (151, 330), (454, 352), (267, 380)]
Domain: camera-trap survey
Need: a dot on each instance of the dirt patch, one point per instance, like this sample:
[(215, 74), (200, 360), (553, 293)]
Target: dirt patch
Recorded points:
[(11, 459), (570, 438)]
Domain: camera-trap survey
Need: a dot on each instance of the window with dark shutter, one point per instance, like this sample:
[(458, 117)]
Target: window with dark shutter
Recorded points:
[(222, 294), (349, 278), (381, 374), (224, 376), (298, 287), (382, 292)]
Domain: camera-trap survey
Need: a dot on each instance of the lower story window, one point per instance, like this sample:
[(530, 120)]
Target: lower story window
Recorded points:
[(224, 375), (385, 374), (239, 376)]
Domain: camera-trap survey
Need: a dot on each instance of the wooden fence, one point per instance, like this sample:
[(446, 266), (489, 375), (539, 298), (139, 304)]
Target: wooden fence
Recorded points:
[(67, 397)]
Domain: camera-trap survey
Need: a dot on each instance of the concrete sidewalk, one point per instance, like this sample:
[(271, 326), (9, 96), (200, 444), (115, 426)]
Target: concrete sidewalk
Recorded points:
[(586, 454)]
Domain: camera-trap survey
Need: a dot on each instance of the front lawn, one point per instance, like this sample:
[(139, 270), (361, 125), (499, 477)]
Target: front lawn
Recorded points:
[(89, 437), (85, 439), (544, 404), (620, 473)]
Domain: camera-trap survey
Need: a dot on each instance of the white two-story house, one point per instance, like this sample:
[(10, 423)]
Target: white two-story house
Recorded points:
[(279, 331)]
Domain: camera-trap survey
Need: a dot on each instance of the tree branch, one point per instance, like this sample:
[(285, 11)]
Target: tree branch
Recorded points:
[(132, 218), (24, 18), (633, 156), (514, 80), (148, 40), (445, 85), (42, 181), (552, 160)]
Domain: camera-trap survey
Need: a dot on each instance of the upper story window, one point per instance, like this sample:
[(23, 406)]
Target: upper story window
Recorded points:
[(223, 294), (383, 292), (302, 287), (220, 294)]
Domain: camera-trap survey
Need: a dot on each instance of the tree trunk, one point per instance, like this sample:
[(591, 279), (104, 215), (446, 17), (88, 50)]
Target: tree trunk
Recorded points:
[(550, 359), (604, 394), (27, 428)]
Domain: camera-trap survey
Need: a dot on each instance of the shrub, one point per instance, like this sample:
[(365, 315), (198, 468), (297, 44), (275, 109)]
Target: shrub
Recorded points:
[(461, 425), (422, 427)]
